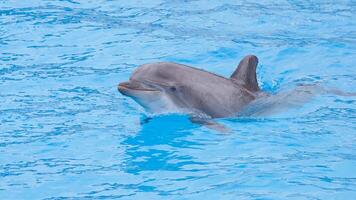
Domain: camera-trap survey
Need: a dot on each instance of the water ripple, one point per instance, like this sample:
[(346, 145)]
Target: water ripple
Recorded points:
[(66, 133)]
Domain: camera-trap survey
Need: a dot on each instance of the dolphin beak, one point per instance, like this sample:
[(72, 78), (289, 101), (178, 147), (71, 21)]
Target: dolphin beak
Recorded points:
[(122, 87), (127, 86)]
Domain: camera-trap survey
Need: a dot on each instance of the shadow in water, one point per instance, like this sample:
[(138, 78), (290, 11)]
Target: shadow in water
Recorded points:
[(157, 145)]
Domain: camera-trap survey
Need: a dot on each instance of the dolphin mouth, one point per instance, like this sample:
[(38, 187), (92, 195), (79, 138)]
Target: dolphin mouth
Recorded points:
[(135, 86)]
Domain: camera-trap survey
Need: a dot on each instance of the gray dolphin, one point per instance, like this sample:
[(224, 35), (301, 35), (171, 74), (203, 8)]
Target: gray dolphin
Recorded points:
[(170, 87)]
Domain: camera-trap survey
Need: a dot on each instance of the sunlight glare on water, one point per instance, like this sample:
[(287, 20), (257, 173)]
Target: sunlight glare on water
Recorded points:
[(66, 132)]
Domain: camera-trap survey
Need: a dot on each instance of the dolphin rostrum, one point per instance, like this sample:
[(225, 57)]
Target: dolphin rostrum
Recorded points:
[(170, 87)]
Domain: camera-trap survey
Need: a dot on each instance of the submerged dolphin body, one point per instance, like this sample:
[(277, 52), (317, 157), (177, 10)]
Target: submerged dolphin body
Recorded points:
[(170, 87)]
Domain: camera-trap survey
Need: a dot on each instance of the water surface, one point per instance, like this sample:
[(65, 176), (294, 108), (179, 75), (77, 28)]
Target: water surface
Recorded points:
[(66, 133)]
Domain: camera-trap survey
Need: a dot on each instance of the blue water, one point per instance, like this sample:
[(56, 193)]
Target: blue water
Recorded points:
[(66, 133)]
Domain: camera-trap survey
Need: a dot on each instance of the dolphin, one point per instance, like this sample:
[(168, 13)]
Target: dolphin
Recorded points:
[(166, 87), (170, 87)]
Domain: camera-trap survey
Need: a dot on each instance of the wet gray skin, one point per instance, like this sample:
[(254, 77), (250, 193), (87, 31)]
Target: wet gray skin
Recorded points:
[(170, 87)]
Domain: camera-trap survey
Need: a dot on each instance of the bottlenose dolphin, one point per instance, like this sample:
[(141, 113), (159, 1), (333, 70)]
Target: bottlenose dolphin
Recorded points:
[(171, 87)]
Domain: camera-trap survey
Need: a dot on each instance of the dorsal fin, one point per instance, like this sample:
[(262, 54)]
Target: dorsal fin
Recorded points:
[(245, 73)]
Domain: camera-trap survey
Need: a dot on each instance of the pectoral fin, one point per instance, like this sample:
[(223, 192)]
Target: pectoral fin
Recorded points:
[(209, 123)]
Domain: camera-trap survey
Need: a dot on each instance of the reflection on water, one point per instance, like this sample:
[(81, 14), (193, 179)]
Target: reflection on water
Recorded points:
[(155, 145)]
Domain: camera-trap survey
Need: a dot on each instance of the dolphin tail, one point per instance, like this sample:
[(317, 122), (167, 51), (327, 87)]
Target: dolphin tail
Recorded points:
[(340, 92), (245, 74), (324, 90)]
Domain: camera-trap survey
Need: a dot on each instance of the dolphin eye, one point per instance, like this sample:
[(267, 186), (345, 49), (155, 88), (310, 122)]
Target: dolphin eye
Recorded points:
[(173, 88)]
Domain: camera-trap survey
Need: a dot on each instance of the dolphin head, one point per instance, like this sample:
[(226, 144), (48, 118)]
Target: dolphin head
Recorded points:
[(154, 88)]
